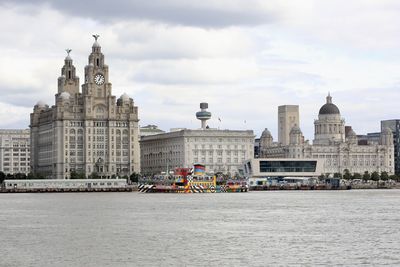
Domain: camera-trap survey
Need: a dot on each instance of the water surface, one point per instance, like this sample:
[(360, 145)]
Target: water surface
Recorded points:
[(281, 228)]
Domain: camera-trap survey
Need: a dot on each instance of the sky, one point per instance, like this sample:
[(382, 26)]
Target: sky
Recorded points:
[(243, 57)]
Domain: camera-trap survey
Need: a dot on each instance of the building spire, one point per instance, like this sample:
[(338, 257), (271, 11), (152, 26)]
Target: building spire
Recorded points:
[(68, 50), (329, 98)]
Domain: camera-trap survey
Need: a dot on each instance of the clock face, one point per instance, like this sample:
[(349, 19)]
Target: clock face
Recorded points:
[(99, 79)]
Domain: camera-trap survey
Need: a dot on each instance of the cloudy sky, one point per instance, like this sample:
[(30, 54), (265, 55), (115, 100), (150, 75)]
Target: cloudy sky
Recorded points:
[(243, 57)]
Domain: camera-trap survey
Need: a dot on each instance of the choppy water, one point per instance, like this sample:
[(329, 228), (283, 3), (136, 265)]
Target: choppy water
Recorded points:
[(283, 228)]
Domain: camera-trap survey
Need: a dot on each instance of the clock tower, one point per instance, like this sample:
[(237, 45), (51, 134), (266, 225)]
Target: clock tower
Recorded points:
[(91, 133)]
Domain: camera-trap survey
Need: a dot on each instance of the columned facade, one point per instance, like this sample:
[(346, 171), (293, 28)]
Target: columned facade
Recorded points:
[(337, 150)]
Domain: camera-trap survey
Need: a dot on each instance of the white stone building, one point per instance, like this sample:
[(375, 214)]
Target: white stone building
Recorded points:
[(15, 151), (338, 151), (220, 150), (88, 131)]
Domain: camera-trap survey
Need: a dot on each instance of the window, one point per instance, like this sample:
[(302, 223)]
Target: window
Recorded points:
[(287, 166)]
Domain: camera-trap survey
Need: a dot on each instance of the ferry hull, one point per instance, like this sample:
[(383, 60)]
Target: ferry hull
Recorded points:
[(144, 188)]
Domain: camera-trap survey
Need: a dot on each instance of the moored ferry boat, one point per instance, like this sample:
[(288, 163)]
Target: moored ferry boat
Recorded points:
[(190, 180)]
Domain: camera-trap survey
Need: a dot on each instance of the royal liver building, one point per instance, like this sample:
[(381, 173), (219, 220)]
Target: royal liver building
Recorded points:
[(88, 132)]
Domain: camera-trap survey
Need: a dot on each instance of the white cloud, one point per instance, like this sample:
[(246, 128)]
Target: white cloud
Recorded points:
[(244, 67)]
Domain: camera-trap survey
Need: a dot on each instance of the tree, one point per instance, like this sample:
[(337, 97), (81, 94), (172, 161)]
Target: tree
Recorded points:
[(94, 175), (394, 177), (384, 176), (2, 176), (366, 176), (356, 175), (346, 174), (77, 175), (337, 175), (134, 177), (375, 176)]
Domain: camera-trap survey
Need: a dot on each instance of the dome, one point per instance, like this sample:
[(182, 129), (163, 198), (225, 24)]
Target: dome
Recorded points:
[(351, 133), (266, 133), (41, 104), (68, 57), (64, 96), (96, 44), (329, 108), (125, 97), (295, 130)]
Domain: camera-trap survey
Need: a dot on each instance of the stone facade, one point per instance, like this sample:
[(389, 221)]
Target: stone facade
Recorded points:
[(89, 131), (338, 151), (15, 151), (220, 150), (288, 117)]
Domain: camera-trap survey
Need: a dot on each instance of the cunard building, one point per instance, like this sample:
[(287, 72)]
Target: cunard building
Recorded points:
[(88, 131)]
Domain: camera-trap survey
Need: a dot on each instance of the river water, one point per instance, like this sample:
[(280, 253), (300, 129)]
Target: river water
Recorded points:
[(281, 228)]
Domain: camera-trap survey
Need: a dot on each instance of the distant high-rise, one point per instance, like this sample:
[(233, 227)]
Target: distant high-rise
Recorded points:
[(288, 117), (394, 127), (14, 151)]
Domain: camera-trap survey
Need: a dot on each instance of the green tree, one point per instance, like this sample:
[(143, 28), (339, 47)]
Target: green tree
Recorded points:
[(356, 175), (375, 176), (77, 175), (394, 177), (134, 177), (384, 176), (2, 176), (366, 176), (94, 175), (346, 174), (337, 175)]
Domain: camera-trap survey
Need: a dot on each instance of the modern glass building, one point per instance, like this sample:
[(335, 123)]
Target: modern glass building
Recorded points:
[(283, 167)]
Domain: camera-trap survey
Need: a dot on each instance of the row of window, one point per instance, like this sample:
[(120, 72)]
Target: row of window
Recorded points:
[(216, 139), (219, 153), (220, 146)]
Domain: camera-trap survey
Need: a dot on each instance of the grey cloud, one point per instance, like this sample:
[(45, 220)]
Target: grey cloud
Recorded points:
[(23, 97), (181, 12)]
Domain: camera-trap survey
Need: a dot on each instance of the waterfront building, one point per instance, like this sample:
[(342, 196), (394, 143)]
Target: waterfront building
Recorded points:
[(15, 151), (338, 150), (280, 167), (394, 126), (288, 117), (219, 150), (88, 131)]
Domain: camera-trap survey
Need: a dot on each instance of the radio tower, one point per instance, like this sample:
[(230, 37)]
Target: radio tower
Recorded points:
[(203, 115)]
